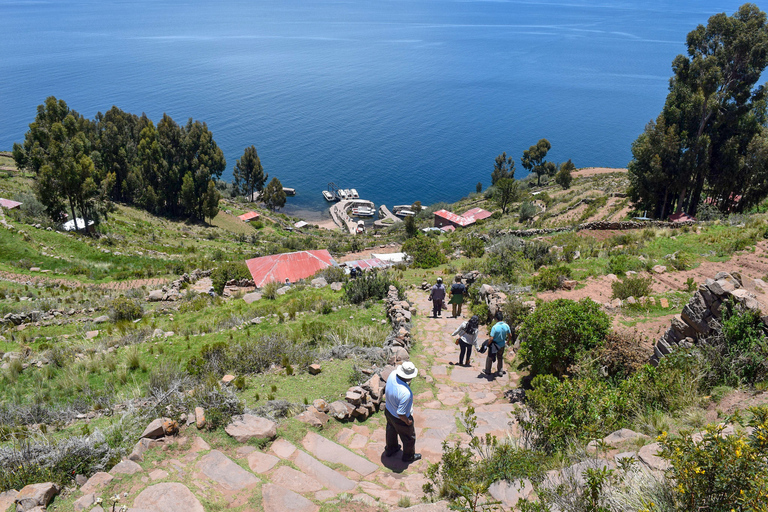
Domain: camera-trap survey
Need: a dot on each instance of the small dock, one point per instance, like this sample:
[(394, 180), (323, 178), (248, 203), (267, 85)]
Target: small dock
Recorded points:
[(340, 217), (385, 214)]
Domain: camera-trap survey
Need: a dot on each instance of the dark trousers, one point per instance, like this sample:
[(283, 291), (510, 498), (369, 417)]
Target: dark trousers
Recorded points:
[(407, 433), (465, 349), (499, 356), (437, 307)]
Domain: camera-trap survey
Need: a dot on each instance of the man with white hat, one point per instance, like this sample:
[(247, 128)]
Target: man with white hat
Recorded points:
[(399, 412)]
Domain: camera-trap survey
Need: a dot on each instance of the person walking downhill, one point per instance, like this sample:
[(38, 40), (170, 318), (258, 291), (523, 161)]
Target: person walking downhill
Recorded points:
[(467, 338), (437, 296), (499, 335), (399, 412), (457, 296)]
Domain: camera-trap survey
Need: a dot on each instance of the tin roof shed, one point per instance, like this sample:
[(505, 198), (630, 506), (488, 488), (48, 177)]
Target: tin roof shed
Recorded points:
[(8, 204), (292, 266), (247, 217)]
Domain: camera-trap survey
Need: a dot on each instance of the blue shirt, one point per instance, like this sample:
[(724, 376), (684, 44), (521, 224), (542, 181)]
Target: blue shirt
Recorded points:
[(499, 333), (399, 397)]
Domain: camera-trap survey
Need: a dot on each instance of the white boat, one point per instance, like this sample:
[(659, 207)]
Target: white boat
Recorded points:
[(363, 211), (348, 193), (353, 194), (328, 196), (361, 226), (405, 213), (341, 194)]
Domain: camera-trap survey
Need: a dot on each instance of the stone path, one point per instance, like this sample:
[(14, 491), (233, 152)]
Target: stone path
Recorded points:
[(349, 469)]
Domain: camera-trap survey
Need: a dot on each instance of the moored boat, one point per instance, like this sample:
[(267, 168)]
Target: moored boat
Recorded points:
[(405, 213), (328, 196), (360, 226), (341, 194), (363, 211), (353, 194)]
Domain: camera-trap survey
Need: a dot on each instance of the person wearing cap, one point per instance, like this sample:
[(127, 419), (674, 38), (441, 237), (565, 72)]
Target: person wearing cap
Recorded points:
[(499, 335), (399, 412), (437, 296)]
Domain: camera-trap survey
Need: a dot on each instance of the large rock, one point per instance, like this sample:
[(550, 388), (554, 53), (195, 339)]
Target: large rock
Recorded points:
[(696, 314), (247, 427), (397, 355), (101, 319), (509, 493), (126, 467), (7, 499), (155, 296), (319, 282), (252, 297), (337, 286), (313, 418), (221, 469), (35, 495), (96, 483), (649, 455), (168, 497), (155, 429), (623, 435), (84, 502)]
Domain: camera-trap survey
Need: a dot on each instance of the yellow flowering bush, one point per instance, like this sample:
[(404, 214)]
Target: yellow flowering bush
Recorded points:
[(717, 472)]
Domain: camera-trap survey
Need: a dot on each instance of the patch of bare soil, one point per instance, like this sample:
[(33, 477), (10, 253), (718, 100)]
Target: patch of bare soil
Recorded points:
[(366, 254), (621, 214), (569, 216), (601, 212), (737, 400), (594, 171)]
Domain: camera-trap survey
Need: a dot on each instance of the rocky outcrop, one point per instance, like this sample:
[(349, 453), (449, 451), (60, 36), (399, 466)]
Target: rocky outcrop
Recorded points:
[(702, 315), (172, 292)]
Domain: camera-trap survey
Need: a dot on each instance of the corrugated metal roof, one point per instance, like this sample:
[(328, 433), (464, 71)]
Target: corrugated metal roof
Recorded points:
[(476, 214), (249, 216), (448, 229), (369, 263), (452, 217), (292, 266), (7, 203)]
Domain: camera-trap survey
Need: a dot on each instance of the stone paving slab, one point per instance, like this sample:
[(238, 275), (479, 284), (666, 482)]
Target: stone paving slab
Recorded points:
[(294, 480), (222, 470), (327, 450), (322, 473), (261, 462), (168, 497), (283, 448), (279, 499)]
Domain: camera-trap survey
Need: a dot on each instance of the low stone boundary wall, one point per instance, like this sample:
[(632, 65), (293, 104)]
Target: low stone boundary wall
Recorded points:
[(701, 316)]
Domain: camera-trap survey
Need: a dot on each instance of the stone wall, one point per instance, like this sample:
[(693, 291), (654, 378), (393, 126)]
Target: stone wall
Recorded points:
[(363, 400), (701, 316)]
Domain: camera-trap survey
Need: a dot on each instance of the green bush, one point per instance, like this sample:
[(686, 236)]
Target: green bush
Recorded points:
[(425, 251), (269, 290), (551, 278), (371, 285), (527, 211), (563, 411), (125, 309), (619, 264), (558, 332), (473, 247), (631, 287), (228, 271)]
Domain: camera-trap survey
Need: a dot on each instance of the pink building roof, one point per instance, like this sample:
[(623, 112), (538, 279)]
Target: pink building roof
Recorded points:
[(249, 216), (292, 266), (7, 203), (453, 218), (476, 214)]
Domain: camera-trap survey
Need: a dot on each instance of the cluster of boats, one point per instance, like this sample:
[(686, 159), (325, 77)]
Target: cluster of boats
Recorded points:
[(340, 195)]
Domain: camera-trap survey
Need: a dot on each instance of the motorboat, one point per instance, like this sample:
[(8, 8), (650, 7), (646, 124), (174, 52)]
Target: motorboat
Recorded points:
[(328, 196), (360, 226), (353, 194), (289, 191), (348, 193), (363, 211), (405, 213), (342, 195)]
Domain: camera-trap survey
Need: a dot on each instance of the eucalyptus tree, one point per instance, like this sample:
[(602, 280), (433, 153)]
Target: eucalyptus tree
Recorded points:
[(249, 173), (503, 167), (533, 160)]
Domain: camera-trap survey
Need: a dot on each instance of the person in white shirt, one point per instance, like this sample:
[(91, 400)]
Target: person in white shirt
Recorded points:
[(399, 412), (467, 332)]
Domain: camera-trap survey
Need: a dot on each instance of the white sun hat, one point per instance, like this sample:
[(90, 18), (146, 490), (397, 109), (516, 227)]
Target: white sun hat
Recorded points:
[(407, 370)]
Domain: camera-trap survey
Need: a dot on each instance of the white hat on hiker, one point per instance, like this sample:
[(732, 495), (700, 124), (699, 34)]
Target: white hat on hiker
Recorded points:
[(407, 371)]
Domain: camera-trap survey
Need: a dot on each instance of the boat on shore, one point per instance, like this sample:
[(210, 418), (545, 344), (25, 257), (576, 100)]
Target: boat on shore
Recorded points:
[(361, 226), (329, 196), (363, 211)]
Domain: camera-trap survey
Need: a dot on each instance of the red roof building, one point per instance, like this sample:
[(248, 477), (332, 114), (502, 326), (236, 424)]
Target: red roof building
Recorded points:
[(446, 218), (293, 266), (8, 204), (248, 217)]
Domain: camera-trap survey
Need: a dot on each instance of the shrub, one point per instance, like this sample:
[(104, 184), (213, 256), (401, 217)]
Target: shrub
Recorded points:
[(560, 412), (527, 211), (425, 251), (226, 272), (371, 285), (557, 332), (538, 253), (619, 264), (269, 290), (720, 473), (622, 355), (551, 278), (473, 247), (123, 308), (631, 287)]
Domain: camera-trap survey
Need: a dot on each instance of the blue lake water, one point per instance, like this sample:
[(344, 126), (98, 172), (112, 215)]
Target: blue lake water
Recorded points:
[(402, 100)]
